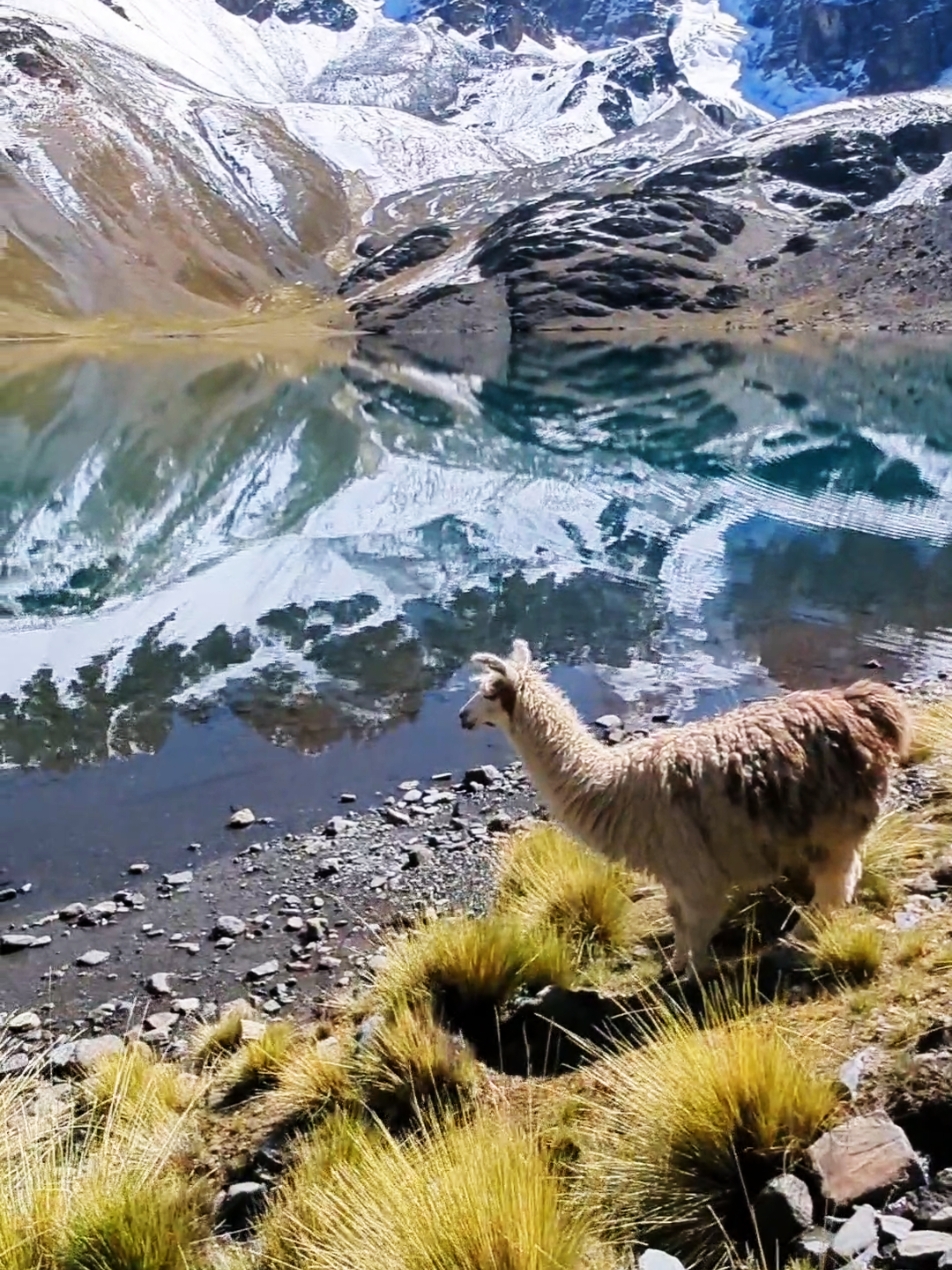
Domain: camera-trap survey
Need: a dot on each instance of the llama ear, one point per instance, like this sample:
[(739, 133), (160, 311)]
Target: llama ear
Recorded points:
[(490, 661), (520, 655)]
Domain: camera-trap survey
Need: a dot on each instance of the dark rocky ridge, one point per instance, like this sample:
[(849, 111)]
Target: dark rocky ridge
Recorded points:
[(675, 241)]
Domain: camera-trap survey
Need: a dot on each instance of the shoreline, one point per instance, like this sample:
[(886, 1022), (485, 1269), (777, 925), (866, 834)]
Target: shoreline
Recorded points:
[(308, 912)]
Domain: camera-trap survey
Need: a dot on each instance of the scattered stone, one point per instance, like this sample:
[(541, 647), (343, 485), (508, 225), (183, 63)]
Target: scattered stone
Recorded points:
[(608, 721), (228, 927), (894, 1227), (857, 1235), (923, 1249), (7, 893), (327, 868), (337, 826), (25, 1022), (182, 878), (243, 818), (163, 1021), (394, 816), (855, 1068), (347, 798), (140, 866), (264, 971), (95, 957), (863, 1158), (186, 1005), (252, 1029), (79, 1057), (499, 824), (654, 1259), (413, 796), (485, 776), (14, 1064), (782, 1211), (814, 1245), (441, 776), (17, 943), (41, 941), (941, 1219), (294, 924), (72, 912)]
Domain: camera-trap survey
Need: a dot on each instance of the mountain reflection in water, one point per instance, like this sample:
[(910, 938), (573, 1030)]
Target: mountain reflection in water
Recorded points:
[(317, 553)]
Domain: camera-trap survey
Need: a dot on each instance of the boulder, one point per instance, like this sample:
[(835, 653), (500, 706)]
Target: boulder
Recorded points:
[(864, 1159), (923, 1249), (782, 1211), (858, 1234)]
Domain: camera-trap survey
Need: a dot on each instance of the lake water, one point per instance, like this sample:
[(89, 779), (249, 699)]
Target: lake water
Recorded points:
[(226, 582)]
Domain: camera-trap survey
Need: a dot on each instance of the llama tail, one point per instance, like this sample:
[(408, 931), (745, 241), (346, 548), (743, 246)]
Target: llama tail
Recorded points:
[(886, 711)]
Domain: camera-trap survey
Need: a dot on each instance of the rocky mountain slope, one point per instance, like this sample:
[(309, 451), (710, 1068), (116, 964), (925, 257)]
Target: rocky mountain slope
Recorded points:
[(194, 153)]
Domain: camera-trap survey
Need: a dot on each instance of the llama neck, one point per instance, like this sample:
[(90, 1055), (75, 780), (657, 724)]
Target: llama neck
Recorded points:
[(568, 767)]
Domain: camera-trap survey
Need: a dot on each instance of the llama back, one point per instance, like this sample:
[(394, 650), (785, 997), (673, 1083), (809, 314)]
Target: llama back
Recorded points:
[(883, 707), (785, 764)]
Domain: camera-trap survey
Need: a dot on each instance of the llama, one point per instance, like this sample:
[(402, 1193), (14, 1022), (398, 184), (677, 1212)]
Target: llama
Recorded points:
[(787, 785)]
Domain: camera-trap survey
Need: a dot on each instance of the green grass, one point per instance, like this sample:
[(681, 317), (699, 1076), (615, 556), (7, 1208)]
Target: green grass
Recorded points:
[(898, 842)]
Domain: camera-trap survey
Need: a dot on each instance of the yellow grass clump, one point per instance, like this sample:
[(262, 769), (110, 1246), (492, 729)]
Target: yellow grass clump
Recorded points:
[(684, 1132), (257, 1064), (461, 1196), (314, 1077), (132, 1088), (210, 1042), (548, 880), (932, 730), (411, 1069), (846, 947), (466, 968), (896, 843)]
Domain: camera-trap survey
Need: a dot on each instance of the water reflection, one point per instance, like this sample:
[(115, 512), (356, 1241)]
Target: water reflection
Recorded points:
[(316, 553)]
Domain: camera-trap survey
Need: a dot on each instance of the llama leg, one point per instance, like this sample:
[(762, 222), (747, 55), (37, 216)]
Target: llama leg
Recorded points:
[(693, 934), (833, 888)]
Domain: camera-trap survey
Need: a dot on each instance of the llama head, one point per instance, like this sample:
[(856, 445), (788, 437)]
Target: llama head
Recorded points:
[(494, 701)]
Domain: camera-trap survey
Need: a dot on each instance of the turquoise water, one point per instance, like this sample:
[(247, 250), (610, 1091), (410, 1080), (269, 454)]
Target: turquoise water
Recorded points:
[(210, 557)]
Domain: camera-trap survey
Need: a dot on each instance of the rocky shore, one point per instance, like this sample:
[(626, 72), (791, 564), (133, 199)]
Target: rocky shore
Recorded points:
[(285, 919)]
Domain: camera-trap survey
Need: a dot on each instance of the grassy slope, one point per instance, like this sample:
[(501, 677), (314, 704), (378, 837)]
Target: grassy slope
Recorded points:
[(407, 1153)]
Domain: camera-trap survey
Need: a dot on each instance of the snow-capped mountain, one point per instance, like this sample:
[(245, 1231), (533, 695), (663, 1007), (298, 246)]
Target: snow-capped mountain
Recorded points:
[(169, 153)]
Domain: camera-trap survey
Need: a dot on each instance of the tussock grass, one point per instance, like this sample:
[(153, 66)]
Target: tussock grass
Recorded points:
[(464, 969), (896, 843), (117, 1227), (548, 880), (314, 1077), (470, 1196), (211, 1042), (113, 1199), (412, 1069), (846, 948), (932, 731), (685, 1131), (257, 1064), (133, 1088)]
